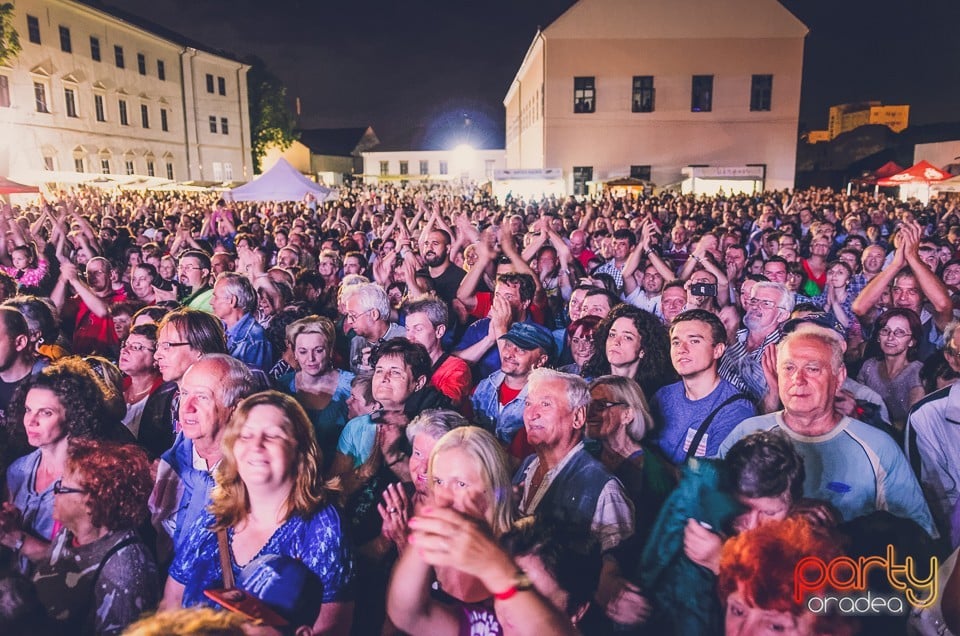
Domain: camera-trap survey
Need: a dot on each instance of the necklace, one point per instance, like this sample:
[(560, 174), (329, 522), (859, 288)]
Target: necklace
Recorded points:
[(132, 398)]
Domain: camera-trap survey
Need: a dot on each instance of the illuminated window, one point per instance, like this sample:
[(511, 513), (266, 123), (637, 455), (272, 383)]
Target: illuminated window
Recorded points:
[(40, 97), (761, 92), (70, 101), (643, 94), (584, 95), (98, 106), (701, 94)]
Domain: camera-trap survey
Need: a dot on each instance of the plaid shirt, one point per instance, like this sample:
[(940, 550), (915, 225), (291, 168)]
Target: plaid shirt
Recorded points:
[(743, 369)]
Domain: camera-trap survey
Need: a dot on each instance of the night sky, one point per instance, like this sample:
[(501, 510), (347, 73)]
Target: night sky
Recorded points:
[(417, 70)]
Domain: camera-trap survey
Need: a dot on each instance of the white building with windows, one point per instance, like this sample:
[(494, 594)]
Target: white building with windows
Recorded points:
[(97, 92), (462, 163), (703, 93)]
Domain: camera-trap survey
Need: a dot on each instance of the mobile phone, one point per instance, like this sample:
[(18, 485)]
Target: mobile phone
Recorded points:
[(703, 289)]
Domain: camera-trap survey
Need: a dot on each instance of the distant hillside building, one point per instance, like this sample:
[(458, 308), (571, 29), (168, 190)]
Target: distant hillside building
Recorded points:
[(847, 117), (98, 91), (703, 92), (462, 163), (325, 154)]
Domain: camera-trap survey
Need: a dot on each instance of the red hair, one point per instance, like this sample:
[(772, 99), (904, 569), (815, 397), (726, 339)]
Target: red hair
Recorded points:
[(117, 477)]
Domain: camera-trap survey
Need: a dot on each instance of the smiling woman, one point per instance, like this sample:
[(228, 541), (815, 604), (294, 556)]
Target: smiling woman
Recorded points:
[(269, 500)]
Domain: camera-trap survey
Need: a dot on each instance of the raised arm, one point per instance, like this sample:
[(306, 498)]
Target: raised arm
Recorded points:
[(933, 288), (868, 298)]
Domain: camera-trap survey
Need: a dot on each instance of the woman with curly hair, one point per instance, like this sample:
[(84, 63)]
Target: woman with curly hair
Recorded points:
[(269, 499), (632, 343), (62, 402), (100, 576)]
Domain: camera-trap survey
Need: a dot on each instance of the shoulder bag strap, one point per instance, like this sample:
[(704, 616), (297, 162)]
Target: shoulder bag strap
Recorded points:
[(702, 429), (225, 563), (106, 557)]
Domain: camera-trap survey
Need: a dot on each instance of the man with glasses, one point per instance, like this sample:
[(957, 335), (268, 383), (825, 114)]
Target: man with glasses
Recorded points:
[(742, 364), (193, 272), (366, 310), (702, 399), (912, 286)]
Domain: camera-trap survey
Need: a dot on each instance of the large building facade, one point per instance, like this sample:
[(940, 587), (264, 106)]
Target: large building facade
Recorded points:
[(670, 91), (92, 92)]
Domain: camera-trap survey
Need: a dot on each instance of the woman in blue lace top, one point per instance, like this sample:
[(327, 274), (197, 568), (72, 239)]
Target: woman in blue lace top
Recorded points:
[(269, 499)]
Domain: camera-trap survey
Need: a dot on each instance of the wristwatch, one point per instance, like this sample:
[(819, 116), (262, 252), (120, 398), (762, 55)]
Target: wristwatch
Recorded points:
[(521, 583)]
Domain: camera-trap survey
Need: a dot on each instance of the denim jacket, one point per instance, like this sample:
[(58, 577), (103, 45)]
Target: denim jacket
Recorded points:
[(503, 422), (248, 343)]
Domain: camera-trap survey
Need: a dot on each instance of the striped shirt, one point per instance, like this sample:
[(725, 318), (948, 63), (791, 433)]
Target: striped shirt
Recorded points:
[(742, 368)]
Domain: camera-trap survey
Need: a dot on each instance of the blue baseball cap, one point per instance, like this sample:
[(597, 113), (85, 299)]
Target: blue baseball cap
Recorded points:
[(528, 336)]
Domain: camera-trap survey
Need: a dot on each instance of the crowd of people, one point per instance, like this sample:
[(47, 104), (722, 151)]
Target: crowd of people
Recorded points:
[(419, 410)]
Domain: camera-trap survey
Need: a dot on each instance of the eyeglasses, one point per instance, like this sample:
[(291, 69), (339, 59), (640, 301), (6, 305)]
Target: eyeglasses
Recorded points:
[(186, 267), (886, 332), (136, 346), (353, 316), (601, 406), (581, 342), (166, 346), (767, 304), (60, 489)]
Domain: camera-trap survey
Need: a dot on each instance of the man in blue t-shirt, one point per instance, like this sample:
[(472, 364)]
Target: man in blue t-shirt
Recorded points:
[(681, 409)]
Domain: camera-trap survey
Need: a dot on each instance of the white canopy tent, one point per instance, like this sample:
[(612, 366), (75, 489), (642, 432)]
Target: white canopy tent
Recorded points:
[(282, 182)]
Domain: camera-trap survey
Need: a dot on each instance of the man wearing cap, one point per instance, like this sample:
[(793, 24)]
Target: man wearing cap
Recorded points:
[(499, 399)]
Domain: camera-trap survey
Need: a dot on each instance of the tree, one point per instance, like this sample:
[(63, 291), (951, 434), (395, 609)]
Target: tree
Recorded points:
[(271, 122), (9, 39)]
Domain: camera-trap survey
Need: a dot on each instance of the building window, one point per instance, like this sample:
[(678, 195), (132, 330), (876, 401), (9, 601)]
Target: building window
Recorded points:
[(98, 106), (761, 92), (78, 164), (123, 113), (105, 166), (584, 95), (94, 49), (643, 93), (65, 45), (217, 171), (424, 167), (141, 63), (163, 120), (640, 172), (118, 55), (33, 29), (444, 168), (581, 175), (70, 100), (222, 85), (228, 172), (150, 169), (170, 171), (701, 95), (4, 91), (40, 96), (404, 167), (48, 163), (145, 115), (384, 168), (213, 123), (128, 164), (224, 126), (161, 70), (488, 167), (209, 83)]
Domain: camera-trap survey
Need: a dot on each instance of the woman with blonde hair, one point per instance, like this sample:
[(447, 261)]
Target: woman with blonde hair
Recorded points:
[(269, 500), (320, 388), (619, 418)]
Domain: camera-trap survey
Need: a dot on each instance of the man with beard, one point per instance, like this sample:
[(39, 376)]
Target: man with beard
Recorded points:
[(749, 359), (194, 274), (88, 311), (446, 277)]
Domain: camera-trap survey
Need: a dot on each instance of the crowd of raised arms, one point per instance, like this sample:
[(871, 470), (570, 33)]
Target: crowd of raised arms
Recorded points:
[(416, 410)]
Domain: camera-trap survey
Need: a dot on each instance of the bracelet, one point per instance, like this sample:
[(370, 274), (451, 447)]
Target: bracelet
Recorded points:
[(521, 583)]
